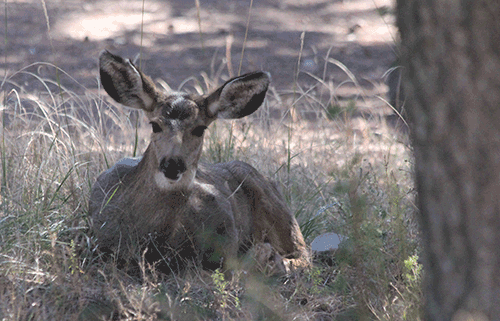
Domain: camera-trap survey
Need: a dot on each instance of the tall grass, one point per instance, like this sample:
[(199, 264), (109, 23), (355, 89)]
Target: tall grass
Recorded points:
[(340, 173), (339, 178)]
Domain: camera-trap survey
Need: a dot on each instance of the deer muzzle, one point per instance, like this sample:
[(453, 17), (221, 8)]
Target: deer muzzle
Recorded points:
[(173, 168)]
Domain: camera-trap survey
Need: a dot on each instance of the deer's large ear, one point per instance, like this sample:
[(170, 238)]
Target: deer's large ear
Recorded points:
[(239, 97), (125, 83)]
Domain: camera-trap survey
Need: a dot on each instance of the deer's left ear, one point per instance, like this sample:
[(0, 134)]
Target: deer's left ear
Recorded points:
[(239, 97)]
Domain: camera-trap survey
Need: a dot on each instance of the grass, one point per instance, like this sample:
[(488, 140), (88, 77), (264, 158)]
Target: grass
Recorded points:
[(341, 176), (340, 173)]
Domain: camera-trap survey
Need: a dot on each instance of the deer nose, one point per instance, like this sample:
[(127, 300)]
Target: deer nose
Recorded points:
[(173, 168)]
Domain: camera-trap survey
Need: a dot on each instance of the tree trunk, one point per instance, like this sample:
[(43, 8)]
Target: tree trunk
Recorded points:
[(451, 58)]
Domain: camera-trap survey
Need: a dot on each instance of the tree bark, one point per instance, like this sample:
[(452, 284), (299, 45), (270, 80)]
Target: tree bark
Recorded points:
[(451, 58)]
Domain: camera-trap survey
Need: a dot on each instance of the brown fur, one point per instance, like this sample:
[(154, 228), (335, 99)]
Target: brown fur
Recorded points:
[(179, 209)]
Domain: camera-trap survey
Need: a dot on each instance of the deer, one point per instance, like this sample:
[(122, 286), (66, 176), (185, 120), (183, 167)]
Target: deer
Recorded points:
[(175, 208)]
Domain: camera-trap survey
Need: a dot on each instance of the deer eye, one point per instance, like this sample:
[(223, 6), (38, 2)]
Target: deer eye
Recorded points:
[(198, 131), (156, 127)]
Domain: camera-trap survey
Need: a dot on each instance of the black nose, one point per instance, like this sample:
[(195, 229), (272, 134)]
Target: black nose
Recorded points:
[(173, 167)]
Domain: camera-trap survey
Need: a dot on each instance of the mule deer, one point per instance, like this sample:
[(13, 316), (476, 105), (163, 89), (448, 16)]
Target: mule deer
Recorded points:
[(172, 204)]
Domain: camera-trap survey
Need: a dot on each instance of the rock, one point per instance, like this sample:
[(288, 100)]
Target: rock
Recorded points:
[(326, 242)]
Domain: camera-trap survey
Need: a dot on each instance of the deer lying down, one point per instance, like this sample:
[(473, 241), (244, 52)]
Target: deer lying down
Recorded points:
[(177, 208)]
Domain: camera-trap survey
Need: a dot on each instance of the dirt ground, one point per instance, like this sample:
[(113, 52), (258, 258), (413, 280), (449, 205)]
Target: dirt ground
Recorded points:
[(358, 33)]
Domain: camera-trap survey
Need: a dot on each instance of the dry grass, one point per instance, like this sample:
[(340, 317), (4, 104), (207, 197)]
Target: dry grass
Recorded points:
[(344, 172), (348, 174)]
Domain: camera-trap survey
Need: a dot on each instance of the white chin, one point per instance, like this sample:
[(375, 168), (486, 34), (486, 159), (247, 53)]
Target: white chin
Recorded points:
[(167, 184)]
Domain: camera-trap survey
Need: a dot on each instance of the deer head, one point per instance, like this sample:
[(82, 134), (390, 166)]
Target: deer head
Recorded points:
[(178, 120)]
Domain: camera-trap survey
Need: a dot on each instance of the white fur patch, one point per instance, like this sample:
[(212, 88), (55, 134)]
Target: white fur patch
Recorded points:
[(129, 161), (178, 100), (183, 182), (209, 189)]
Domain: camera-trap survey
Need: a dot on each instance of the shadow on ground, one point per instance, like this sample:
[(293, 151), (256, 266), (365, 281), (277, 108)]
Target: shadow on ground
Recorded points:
[(357, 33)]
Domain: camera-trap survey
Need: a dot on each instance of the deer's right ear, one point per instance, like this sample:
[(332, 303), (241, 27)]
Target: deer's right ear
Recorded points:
[(125, 83), (239, 97)]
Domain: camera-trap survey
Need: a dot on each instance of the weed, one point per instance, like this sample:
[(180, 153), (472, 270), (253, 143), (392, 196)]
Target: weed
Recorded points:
[(315, 277), (222, 293), (413, 271)]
